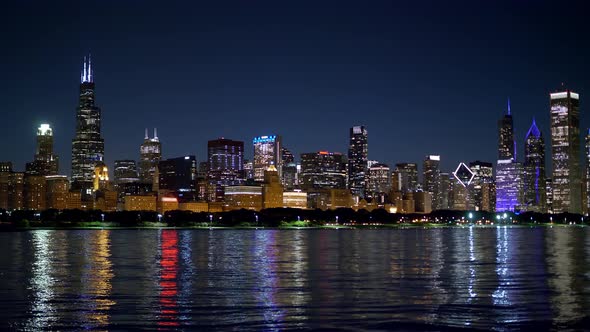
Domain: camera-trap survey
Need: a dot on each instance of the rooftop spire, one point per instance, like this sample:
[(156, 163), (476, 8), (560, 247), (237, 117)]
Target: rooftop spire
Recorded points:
[(146, 134), (155, 133), (86, 76), (533, 130), (509, 112)]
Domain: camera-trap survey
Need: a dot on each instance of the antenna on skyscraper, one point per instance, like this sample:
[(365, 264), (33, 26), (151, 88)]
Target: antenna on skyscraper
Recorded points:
[(509, 112), (155, 133), (89, 67), (146, 133), (83, 79)]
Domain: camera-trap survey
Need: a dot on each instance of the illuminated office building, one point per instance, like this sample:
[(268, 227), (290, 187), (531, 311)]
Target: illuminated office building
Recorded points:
[(565, 152), (272, 189), (125, 172), (45, 163), (357, 160), (267, 151), (405, 177), (482, 190), (35, 191), (323, 170), (509, 182), (509, 185), (378, 181), (225, 166), (150, 154), (88, 144), (534, 170), (431, 180), (57, 191)]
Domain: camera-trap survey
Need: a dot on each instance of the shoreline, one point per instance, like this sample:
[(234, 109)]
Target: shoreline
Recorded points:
[(158, 226)]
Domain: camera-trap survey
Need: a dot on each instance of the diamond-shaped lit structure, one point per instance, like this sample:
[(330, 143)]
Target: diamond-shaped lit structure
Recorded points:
[(464, 174)]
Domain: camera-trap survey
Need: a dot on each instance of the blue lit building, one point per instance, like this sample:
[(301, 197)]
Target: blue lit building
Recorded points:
[(509, 180), (534, 171)]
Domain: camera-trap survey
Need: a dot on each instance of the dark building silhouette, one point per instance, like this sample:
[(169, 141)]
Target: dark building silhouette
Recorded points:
[(178, 177), (357, 160), (534, 170)]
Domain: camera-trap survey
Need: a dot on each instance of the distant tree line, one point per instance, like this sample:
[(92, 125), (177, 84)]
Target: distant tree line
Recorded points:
[(267, 218)]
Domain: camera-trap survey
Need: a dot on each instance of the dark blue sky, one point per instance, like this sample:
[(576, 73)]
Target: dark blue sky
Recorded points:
[(425, 77)]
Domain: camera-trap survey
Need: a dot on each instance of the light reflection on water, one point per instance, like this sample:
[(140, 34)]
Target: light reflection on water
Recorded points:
[(414, 279)]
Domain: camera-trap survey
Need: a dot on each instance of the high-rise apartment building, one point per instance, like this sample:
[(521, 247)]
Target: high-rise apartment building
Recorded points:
[(357, 160), (565, 152), (267, 151), (150, 154), (534, 170), (88, 144)]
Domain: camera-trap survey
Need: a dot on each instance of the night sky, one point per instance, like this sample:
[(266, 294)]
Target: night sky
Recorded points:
[(429, 77)]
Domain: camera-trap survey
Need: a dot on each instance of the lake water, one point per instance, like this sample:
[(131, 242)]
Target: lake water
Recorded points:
[(400, 279)]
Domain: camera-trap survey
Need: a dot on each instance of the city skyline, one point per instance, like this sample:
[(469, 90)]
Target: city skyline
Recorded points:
[(374, 73)]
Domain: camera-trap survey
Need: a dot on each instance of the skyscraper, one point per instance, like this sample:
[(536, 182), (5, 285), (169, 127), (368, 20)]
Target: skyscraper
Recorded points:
[(534, 170), (431, 179), (565, 150), (508, 170), (407, 177), (378, 182), (150, 154), (357, 160), (178, 176), (587, 176), (88, 144), (506, 142), (323, 170), (482, 190), (45, 163), (267, 151), (225, 166)]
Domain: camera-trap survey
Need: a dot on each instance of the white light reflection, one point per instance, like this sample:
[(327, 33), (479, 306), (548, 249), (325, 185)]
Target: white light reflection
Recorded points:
[(472, 271), (265, 257), (42, 283), (500, 295)]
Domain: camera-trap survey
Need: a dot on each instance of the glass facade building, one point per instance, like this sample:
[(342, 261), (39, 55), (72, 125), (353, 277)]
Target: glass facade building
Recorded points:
[(357, 160), (565, 152), (150, 154), (534, 171), (88, 144), (267, 152), (225, 166)]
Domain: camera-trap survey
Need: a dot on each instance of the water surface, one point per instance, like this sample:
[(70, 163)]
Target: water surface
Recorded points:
[(400, 279)]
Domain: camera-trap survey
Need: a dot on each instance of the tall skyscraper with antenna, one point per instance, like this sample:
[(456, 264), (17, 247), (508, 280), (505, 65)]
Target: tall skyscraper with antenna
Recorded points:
[(88, 144), (508, 171), (150, 154)]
